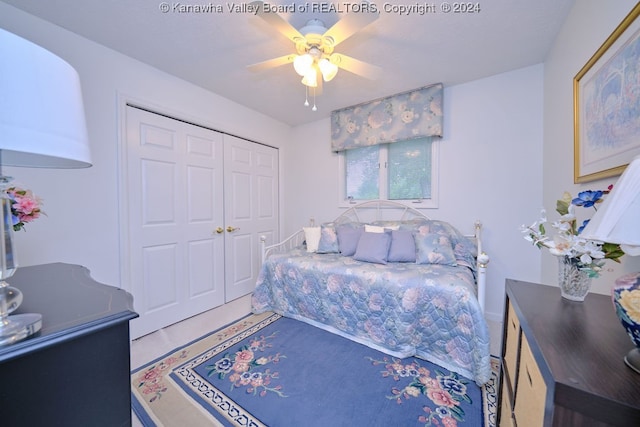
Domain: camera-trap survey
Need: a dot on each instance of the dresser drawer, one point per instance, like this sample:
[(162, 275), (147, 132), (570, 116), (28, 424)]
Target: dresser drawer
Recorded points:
[(505, 409), (531, 390), (512, 343)]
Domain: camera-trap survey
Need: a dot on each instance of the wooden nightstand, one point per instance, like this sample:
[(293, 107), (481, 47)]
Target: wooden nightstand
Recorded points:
[(562, 361)]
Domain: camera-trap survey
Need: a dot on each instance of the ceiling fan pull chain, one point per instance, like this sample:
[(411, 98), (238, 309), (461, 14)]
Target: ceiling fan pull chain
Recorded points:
[(314, 100), (306, 96)]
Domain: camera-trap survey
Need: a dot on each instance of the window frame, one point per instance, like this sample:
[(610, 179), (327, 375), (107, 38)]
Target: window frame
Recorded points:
[(431, 203)]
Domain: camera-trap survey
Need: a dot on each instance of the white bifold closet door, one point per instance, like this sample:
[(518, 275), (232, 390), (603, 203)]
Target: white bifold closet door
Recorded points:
[(197, 202)]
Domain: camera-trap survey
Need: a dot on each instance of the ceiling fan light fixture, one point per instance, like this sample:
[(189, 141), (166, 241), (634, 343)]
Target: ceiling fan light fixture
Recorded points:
[(302, 64), (315, 60), (327, 69), (311, 78)]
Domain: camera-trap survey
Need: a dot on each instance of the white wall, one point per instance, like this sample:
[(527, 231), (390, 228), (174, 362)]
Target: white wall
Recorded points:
[(82, 225), (490, 169), (589, 24)]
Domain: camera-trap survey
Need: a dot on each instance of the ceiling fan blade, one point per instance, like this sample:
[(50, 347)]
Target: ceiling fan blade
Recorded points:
[(371, 72), (277, 21), (271, 63), (350, 24)]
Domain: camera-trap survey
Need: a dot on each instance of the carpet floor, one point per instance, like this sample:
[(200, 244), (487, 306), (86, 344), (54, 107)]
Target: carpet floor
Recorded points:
[(267, 370)]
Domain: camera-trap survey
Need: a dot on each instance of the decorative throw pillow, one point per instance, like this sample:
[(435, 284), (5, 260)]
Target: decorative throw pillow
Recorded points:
[(378, 228), (373, 228), (312, 237), (373, 247), (389, 224), (403, 247), (348, 237), (328, 240), (466, 250), (434, 248)]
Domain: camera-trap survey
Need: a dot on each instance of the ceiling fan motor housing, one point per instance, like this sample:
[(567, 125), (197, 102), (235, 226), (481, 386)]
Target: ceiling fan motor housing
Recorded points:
[(313, 26), (314, 41)]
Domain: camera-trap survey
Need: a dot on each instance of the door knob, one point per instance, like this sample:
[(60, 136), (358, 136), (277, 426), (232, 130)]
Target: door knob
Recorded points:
[(219, 230), (230, 229)]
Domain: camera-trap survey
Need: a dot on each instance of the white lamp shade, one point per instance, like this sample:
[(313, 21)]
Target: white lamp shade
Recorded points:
[(311, 78), (618, 218), (327, 69), (302, 64), (42, 122)]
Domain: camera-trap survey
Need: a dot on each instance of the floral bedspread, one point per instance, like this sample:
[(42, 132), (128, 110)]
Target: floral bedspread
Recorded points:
[(403, 309)]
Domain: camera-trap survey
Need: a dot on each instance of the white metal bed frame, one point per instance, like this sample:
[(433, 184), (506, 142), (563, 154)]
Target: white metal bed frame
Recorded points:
[(377, 210)]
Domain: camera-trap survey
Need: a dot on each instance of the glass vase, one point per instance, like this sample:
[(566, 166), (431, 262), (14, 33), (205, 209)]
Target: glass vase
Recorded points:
[(574, 283)]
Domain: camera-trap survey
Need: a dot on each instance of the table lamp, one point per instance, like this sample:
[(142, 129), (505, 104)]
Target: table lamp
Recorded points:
[(42, 125), (618, 221)]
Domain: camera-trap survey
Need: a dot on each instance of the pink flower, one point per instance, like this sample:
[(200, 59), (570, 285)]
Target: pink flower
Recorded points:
[(257, 381), (241, 367), (244, 356), (428, 381), (149, 375), (25, 206), (449, 422), (410, 299), (441, 397)]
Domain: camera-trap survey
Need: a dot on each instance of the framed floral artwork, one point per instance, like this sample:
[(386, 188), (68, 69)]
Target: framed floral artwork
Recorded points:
[(607, 105)]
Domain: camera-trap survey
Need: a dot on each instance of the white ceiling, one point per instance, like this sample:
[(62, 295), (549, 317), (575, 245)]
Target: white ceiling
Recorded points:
[(212, 50)]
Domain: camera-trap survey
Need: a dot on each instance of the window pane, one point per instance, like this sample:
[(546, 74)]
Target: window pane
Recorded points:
[(410, 169), (362, 173)]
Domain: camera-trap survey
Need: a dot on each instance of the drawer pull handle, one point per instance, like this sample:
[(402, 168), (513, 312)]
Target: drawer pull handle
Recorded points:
[(529, 376)]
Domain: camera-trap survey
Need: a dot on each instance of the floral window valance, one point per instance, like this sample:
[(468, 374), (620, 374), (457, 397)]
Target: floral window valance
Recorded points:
[(408, 115)]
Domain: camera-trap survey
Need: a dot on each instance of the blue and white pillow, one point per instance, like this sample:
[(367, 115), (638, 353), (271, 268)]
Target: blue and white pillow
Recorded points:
[(433, 248), (328, 243)]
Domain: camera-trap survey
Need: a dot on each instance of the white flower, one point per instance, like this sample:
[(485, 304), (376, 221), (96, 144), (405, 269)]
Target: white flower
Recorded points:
[(589, 255), (561, 226), (586, 259), (561, 246), (593, 249)]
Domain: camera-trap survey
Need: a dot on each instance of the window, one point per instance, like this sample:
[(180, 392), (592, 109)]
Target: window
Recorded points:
[(403, 171)]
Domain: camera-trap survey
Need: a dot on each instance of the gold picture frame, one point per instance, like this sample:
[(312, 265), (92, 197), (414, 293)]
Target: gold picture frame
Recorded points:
[(606, 105)]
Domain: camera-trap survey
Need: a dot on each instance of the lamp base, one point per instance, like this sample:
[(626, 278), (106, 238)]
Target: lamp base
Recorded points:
[(632, 359), (18, 327)]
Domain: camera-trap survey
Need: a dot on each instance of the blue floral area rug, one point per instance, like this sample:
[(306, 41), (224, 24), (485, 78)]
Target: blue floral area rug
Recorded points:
[(267, 370)]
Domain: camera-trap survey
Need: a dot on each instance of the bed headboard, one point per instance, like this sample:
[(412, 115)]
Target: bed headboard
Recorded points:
[(377, 210), (380, 210)]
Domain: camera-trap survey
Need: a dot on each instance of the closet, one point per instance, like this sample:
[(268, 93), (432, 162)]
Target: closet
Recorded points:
[(196, 203)]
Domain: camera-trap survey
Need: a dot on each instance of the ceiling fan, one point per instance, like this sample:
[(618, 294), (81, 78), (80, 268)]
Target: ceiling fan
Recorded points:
[(315, 59)]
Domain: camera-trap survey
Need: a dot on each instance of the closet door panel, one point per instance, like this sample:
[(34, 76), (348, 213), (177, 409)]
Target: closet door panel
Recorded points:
[(174, 261), (251, 210)]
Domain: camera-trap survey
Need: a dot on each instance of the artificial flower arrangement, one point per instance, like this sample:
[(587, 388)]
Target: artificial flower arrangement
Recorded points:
[(25, 206), (588, 255)]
